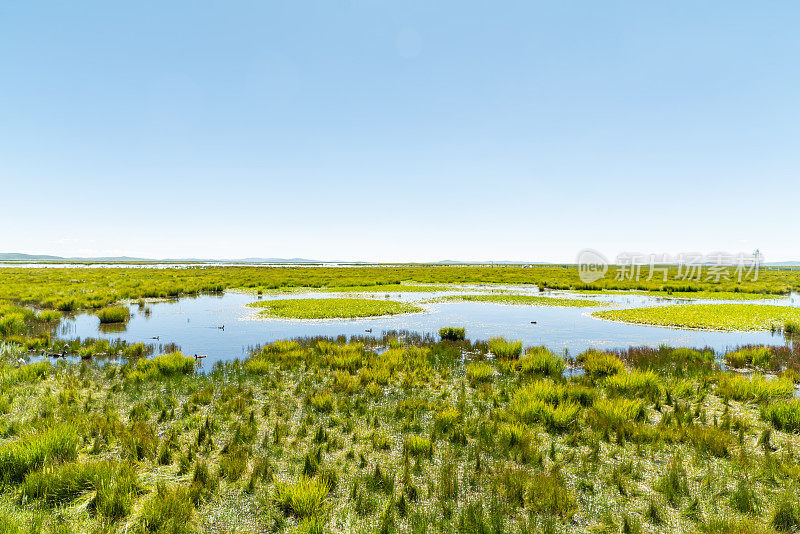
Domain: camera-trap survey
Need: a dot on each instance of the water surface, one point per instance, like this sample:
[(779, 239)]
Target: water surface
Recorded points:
[(193, 323)]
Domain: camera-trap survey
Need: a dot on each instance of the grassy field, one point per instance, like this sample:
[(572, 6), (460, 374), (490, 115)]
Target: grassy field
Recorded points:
[(382, 288), (327, 436), (331, 308), (523, 300), (80, 288), (402, 434), (708, 316), (710, 295)]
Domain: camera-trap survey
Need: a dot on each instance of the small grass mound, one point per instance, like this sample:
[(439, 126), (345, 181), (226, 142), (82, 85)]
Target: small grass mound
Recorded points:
[(166, 365), (418, 446), (541, 362), (18, 458), (505, 349), (636, 384), (783, 415), (115, 486), (600, 364), (304, 499), (755, 388), (786, 515), (479, 372), (169, 510), (791, 327), (113, 314), (546, 403), (549, 495), (49, 316), (755, 356), (452, 333)]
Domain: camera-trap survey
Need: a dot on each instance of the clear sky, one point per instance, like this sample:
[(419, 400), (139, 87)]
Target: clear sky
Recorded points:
[(399, 131)]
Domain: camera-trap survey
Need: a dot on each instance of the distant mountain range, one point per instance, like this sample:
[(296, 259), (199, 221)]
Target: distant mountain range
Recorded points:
[(14, 256), (17, 257)]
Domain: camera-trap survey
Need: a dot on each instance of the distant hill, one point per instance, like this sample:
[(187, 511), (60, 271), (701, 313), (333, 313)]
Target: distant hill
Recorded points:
[(15, 256), (18, 257)]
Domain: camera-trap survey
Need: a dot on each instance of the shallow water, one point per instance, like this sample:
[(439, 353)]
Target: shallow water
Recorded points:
[(193, 324)]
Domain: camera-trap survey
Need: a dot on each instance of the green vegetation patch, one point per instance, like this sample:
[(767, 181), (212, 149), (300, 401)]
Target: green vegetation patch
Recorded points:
[(708, 316), (87, 288), (332, 308), (452, 333), (114, 314), (711, 295), (524, 300)]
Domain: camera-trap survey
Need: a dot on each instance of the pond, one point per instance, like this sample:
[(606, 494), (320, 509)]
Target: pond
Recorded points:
[(194, 324)]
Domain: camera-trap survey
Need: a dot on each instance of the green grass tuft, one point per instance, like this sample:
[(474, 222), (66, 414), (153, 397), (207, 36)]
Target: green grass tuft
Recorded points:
[(113, 314), (505, 349), (452, 333), (303, 499)]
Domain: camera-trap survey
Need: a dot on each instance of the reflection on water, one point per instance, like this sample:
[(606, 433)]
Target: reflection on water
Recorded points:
[(112, 328), (193, 324)]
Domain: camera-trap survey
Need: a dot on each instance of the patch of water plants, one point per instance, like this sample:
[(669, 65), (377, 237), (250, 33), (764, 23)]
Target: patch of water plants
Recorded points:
[(697, 294), (331, 308), (523, 300), (400, 434), (710, 316)]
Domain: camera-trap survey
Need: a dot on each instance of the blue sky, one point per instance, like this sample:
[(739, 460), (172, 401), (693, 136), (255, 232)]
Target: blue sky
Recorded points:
[(399, 131)]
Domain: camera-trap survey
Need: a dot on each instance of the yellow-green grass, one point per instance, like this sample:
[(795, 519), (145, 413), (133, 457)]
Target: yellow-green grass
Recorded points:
[(689, 295), (81, 287), (524, 300), (707, 316), (361, 288), (324, 435), (710, 295), (113, 314), (331, 308)]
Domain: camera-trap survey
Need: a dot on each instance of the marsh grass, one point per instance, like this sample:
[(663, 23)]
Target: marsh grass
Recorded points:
[(113, 314), (749, 356), (452, 333), (783, 415), (505, 349), (754, 388), (726, 317), (524, 300), (331, 308), (114, 486), (304, 498), (311, 434), (598, 364), (18, 458), (479, 372), (635, 384), (168, 510), (166, 365), (541, 362), (791, 327), (86, 288)]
